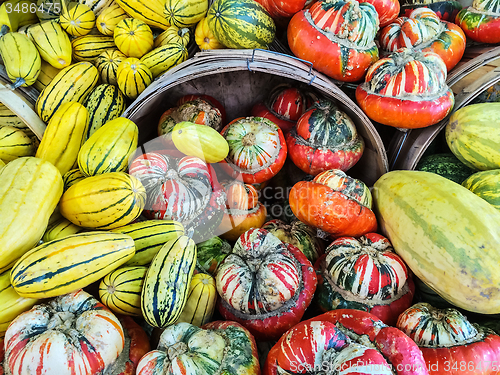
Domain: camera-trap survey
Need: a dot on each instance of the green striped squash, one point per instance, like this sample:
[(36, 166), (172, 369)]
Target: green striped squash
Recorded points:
[(105, 103), (121, 289), (72, 177), (200, 304), (446, 234), (97, 6), (106, 201), (70, 263), (109, 148), (14, 143), (149, 237), (166, 286), (133, 76), (71, 84), (107, 65), (152, 12), (485, 184), (241, 24), (473, 135), (89, 47), (165, 57), (185, 13), (59, 229), (52, 42)]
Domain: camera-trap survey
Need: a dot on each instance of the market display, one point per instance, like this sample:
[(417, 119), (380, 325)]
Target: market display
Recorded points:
[(244, 218)]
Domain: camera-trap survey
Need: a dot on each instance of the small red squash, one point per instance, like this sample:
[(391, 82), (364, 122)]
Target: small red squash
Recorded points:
[(335, 203), (406, 90), (257, 149), (423, 30), (387, 10), (185, 190), (71, 334), (481, 21), (324, 138), (347, 342), (364, 274), (449, 343), (215, 348), (337, 37), (243, 211), (446, 10), (284, 105), (264, 284)]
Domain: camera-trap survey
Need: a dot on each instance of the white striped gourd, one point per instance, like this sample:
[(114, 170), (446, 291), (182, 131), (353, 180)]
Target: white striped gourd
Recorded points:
[(88, 47), (109, 18), (165, 57), (24, 213), (133, 77), (77, 19), (105, 103), (64, 136), (173, 34), (71, 84), (59, 229), (20, 58), (166, 286), (109, 148), (14, 143), (52, 42), (107, 64), (200, 304), (121, 289), (149, 237), (185, 13), (97, 6), (11, 303), (70, 263), (149, 11), (47, 74), (133, 37), (106, 201), (72, 177)]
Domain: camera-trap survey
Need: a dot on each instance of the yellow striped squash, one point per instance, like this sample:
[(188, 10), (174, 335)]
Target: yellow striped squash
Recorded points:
[(105, 103), (185, 13), (48, 9), (14, 143), (24, 213), (88, 47), (67, 264), (109, 148), (165, 57), (149, 11), (97, 6), (11, 303), (20, 58), (47, 74), (133, 37), (77, 19), (71, 84), (109, 18), (173, 34), (200, 304), (166, 286), (59, 229), (52, 42), (149, 237), (14, 14), (133, 76), (72, 177), (9, 118), (120, 290), (106, 201), (64, 136), (107, 63), (204, 38)]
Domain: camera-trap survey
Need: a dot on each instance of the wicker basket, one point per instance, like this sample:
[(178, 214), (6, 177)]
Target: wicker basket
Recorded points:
[(478, 70), (241, 78)]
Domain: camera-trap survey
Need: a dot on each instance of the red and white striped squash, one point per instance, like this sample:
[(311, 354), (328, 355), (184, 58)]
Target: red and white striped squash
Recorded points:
[(257, 148), (423, 30), (364, 274), (406, 90), (264, 284), (185, 190), (449, 343), (337, 37), (71, 334)]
